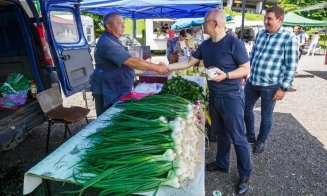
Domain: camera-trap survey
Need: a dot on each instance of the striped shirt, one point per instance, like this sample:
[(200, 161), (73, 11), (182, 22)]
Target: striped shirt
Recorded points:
[(274, 58)]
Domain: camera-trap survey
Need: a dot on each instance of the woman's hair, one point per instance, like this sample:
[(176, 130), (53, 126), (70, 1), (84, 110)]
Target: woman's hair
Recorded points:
[(182, 33)]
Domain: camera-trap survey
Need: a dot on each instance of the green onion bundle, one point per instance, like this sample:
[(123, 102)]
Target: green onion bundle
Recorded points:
[(150, 143)]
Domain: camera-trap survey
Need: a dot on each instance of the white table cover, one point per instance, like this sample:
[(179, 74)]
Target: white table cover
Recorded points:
[(59, 165)]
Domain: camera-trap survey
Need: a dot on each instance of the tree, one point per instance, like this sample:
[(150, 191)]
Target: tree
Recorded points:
[(290, 5), (98, 23)]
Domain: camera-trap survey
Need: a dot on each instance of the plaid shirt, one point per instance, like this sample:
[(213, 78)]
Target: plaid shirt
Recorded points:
[(274, 58)]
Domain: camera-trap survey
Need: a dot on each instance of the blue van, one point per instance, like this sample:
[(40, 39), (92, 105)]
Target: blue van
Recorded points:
[(44, 41)]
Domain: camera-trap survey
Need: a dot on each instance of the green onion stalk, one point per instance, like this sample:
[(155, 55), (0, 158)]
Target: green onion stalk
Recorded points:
[(142, 148)]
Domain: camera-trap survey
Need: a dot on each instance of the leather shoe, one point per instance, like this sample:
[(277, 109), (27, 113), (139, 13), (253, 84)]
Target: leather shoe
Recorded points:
[(251, 140), (243, 185), (213, 167), (259, 147)]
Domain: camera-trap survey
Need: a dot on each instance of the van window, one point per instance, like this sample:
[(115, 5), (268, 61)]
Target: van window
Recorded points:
[(64, 27), (88, 34), (11, 38)]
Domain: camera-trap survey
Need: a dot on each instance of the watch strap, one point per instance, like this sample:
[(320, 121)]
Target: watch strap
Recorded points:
[(227, 76), (284, 89)]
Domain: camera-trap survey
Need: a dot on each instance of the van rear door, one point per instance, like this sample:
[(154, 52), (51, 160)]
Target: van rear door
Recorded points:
[(68, 45)]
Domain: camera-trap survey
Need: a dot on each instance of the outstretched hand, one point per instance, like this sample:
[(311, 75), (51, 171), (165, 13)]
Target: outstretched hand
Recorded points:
[(162, 68)]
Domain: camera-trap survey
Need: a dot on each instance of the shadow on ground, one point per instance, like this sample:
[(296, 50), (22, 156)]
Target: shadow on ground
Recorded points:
[(320, 74), (294, 163), (304, 76), (15, 162)]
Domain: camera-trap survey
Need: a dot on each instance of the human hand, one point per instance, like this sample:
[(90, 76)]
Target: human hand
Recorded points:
[(279, 95), (243, 81), (220, 76), (162, 68)]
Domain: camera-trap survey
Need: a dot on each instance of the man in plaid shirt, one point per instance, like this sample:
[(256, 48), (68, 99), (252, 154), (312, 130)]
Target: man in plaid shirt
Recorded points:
[(273, 61)]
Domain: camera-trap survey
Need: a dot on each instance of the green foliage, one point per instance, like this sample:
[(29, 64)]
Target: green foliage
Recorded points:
[(98, 23), (323, 43), (140, 25), (183, 88), (248, 16), (254, 17), (290, 5), (229, 11)]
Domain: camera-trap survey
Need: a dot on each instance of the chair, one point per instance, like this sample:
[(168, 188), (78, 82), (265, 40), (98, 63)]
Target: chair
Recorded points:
[(51, 101)]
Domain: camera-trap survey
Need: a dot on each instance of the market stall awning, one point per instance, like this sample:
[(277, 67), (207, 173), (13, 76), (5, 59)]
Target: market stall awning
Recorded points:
[(292, 19), (143, 9), (191, 22)]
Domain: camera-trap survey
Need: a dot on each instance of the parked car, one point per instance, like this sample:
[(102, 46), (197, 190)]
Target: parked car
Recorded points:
[(46, 45)]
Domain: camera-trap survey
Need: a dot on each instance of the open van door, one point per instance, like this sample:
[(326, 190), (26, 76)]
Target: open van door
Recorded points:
[(70, 50)]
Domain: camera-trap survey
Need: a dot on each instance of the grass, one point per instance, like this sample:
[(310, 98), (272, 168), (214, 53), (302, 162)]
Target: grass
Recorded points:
[(140, 25), (252, 17), (323, 43)]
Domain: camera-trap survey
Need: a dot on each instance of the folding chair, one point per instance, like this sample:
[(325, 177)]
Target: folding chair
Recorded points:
[(51, 101)]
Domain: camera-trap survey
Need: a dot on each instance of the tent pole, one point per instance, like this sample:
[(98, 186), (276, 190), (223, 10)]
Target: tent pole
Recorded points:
[(243, 16), (134, 27)]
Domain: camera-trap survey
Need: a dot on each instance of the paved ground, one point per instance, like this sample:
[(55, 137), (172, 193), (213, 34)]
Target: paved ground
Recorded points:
[(294, 162)]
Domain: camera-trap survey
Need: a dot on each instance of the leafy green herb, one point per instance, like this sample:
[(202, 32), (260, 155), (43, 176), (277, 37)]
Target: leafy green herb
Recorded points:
[(183, 88)]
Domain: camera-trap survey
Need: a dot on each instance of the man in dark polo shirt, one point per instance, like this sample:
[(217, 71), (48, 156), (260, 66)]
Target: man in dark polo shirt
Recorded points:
[(226, 101), (114, 75)]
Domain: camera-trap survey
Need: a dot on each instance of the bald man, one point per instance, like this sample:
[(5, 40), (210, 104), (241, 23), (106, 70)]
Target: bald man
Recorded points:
[(226, 102), (114, 75)]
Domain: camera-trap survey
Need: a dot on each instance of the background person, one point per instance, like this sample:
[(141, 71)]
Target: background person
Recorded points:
[(114, 75), (190, 41), (314, 43), (164, 28), (300, 38), (174, 47), (273, 59), (226, 101)]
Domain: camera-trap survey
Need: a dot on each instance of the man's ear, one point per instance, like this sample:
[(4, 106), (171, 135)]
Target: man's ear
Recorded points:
[(108, 26), (281, 18)]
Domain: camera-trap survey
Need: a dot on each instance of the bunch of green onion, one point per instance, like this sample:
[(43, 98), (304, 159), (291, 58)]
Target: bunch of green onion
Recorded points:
[(149, 143)]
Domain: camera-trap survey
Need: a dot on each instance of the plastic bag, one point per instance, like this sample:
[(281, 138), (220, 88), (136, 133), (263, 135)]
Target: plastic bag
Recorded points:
[(11, 101), (15, 83)]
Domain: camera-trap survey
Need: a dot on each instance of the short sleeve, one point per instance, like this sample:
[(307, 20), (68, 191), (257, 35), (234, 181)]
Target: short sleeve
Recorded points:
[(197, 54), (118, 55), (240, 53)]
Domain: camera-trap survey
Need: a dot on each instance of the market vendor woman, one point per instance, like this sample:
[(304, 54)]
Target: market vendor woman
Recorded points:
[(226, 102), (114, 75)]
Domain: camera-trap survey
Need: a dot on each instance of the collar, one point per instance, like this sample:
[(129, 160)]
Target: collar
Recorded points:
[(111, 36), (280, 30)]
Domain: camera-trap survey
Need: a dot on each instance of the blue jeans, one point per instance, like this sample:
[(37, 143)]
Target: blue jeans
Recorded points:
[(252, 94), (227, 114)]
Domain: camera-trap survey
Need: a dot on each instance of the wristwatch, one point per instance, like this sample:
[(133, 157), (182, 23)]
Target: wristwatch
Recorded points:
[(284, 89), (227, 76)]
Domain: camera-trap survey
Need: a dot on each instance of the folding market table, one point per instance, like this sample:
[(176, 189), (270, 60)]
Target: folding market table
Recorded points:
[(60, 164)]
